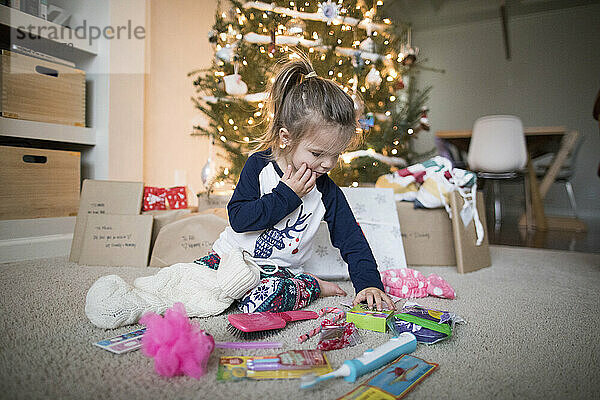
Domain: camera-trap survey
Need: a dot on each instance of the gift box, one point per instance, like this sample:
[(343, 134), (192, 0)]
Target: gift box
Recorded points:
[(364, 318), (430, 237), (155, 198), (177, 197)]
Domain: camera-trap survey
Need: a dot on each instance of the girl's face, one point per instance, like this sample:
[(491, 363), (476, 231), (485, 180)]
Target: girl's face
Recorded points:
[(317, 151)]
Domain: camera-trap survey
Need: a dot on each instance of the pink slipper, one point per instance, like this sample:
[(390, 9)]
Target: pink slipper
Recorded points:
[(437, 286), (405, 283), (408, 283)]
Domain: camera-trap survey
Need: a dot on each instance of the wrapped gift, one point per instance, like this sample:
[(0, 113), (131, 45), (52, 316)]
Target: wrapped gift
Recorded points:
[(177, 197), (155, 198)]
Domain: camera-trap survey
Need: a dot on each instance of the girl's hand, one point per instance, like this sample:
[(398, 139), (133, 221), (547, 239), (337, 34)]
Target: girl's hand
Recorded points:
[(300, 182), (373, 294)]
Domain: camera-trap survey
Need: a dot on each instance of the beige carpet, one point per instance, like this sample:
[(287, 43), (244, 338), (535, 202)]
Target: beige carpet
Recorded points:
[(532, 332)]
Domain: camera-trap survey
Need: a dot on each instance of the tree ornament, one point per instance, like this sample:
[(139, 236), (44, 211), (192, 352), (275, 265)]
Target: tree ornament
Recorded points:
[(410, 56), (272, 45), (213, 37), (399, 84), (295, 27), (207, 173), (373, 78), (329, 10), (424, 121), (367, 45), (225, 53), (234, 85), (367, 122), (358, 62), (409, 53)]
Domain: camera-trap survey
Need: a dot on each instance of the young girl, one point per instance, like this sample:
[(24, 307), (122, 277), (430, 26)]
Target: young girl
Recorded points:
[(282, 195), (284, 192)]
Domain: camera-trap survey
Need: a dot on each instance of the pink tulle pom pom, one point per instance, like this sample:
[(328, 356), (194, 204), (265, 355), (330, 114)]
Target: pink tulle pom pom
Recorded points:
[(177, 345)]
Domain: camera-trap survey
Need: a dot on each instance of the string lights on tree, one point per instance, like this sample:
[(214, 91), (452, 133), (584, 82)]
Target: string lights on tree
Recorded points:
[(350, 42)]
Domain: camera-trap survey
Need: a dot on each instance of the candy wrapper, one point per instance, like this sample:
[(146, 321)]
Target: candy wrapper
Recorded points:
[(334, 337), (428, 325)]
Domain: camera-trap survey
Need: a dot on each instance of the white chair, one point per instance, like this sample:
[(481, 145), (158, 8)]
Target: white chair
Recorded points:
[(498, 151)]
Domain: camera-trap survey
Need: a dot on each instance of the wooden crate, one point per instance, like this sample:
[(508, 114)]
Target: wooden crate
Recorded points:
[(40, 90), (38, 183)]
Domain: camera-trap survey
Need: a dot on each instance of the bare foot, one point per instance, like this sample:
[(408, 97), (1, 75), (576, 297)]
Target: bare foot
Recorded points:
[(329, 288)]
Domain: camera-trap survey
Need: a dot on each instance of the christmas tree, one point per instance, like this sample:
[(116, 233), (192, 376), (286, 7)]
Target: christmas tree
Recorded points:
[(347, 41)]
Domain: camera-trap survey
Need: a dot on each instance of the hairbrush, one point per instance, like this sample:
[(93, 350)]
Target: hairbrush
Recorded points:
[(248, 345), (263, 324)]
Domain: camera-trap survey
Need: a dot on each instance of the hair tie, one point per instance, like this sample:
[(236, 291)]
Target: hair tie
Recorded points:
[(311, 74)]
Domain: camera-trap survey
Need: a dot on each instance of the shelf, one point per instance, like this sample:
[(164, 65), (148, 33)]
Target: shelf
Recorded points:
[(17, 19), (44, 131)]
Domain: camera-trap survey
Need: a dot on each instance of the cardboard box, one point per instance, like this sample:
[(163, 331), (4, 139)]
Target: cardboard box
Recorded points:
[(186, 239), (215, 200), (38, 183), (163, 218), (469, 257), (426, 235), (100, 197), (431, 238), (40, 90), (116, 240)]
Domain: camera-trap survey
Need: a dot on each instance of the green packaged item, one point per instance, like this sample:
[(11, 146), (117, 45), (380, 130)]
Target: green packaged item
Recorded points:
[(428, 325), (368, 319)]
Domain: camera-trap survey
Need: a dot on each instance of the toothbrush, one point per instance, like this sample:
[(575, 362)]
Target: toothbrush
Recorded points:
[(371, 360)]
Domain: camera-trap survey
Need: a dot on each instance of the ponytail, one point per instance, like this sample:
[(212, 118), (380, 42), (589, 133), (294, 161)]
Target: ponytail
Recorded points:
[(300, 102), (289, 76)]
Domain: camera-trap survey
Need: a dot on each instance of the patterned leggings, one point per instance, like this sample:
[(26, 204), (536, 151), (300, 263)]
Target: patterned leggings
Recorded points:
[(280, 291)]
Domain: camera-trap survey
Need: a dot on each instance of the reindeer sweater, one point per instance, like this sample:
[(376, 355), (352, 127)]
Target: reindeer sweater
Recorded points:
[(271, 222)]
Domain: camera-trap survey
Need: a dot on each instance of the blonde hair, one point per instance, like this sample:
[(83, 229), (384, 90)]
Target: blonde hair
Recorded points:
[(304, 104)]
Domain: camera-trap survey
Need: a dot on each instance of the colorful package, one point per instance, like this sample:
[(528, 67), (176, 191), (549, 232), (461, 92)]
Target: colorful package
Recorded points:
[(155, 198), (177, 197), (334, 337), (428, 325), (289, 364), (395, 381), (364, 318)]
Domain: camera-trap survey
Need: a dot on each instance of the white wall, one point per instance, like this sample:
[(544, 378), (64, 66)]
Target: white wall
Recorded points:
[(178, 45), (126, 104), (551, 80)]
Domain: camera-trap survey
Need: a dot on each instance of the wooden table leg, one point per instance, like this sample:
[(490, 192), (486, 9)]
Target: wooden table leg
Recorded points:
[(566, 146), (536, 200), (538, 192)]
